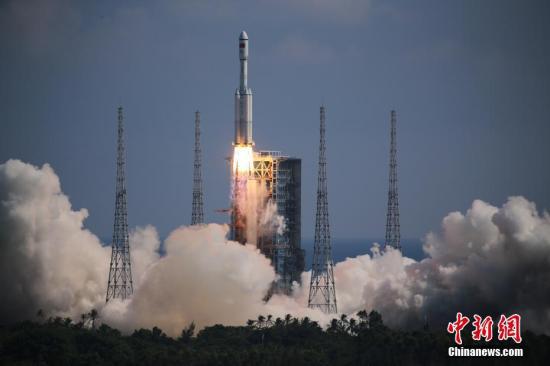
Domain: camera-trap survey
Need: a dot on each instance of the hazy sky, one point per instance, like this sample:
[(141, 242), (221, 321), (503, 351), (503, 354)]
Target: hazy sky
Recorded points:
[(470, 81)]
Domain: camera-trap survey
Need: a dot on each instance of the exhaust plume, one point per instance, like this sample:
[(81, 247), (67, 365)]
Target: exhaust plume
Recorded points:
[(48, 260), (487, 261)]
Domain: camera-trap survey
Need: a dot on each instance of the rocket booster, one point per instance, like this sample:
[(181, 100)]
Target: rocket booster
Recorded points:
[(243, 98)]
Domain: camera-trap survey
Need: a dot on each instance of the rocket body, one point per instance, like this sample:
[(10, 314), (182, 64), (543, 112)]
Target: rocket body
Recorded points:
[(243, 98)]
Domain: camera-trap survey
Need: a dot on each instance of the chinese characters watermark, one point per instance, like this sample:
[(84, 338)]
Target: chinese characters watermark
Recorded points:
[(507, 327)]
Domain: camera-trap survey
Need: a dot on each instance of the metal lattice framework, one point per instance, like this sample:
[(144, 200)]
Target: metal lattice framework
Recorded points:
[(197, 213), (322, 290), (393, 235), (120, 273)]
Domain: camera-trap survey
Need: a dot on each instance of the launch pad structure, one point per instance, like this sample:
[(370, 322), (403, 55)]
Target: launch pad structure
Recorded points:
[(280, 176)]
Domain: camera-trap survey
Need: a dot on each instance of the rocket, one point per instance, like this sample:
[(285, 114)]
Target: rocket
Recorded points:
[(243, 99)]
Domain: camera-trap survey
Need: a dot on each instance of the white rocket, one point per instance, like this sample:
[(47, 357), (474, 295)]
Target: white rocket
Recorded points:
[(243, 98)]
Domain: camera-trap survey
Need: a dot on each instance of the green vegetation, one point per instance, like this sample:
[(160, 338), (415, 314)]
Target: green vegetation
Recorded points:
[(266, 341)]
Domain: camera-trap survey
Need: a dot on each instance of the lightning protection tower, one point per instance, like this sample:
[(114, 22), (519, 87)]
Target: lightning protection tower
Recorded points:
[(120, 284), (197, 213), (322, 290), (393, 235)]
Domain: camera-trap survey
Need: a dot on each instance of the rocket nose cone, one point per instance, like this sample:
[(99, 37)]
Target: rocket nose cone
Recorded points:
[(243, 35)]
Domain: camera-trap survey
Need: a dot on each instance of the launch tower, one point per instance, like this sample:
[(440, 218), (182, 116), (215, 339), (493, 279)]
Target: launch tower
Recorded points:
[(322, 290), (393, 235), (197, 213), (120, 273)]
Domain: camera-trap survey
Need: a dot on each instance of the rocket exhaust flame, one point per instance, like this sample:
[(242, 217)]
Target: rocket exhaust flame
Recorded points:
[(242, 161), (244, 194)]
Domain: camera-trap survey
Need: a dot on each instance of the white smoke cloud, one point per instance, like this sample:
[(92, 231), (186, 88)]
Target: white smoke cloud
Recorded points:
[(270, 220), (250, 197), (489, 260), (48, 260), (145, 245), (202, 278)]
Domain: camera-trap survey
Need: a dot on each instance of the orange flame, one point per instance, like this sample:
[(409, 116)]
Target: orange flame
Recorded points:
[(242, 160)]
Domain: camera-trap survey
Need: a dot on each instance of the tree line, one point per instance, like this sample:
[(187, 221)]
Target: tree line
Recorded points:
[(288, 341)]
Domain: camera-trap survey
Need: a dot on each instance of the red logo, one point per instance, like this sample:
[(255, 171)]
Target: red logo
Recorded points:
[(457, 327), (508, 327), (483, 329)]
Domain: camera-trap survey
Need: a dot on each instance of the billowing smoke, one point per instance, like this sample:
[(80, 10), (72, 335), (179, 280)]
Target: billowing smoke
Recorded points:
[(202, 278), (488, 261), (145, 245), (48, 260), (270, 220)]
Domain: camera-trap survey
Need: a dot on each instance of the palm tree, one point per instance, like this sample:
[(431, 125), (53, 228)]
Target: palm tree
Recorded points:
[(352, 327), (375, 320), (333, 327), (93, 316), (363, 316), (261, 321), (187, 333)]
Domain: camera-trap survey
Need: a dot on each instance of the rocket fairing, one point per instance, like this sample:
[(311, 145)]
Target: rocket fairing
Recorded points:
[(243, 99)]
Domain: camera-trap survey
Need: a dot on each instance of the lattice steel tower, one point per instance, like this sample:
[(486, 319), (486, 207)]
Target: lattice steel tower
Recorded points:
[(393, 235), (322, 290), (120, 273), (197, 213)]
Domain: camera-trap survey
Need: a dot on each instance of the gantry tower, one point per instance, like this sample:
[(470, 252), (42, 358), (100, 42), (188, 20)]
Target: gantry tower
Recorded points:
[(197, 213), (393, 235), (120, 284), (322, 290)]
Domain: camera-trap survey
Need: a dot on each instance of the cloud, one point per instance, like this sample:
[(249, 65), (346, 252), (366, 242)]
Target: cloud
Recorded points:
[(202, 278), (48, 260), (145, 245), (488, 261)]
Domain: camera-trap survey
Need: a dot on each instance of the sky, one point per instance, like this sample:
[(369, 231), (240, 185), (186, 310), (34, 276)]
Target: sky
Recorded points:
[(469, 80)]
